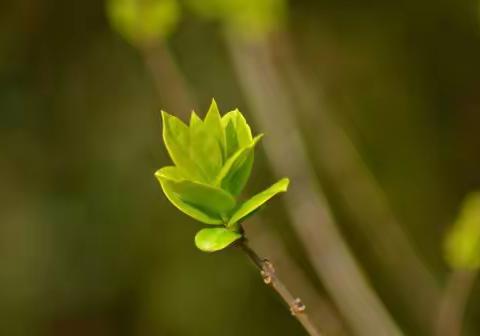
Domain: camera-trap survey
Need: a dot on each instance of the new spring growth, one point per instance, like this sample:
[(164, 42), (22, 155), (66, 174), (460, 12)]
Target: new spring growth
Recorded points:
[(212, 161)]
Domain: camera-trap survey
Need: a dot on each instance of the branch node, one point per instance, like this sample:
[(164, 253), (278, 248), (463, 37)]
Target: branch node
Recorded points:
[(268, 271), (297, 307)]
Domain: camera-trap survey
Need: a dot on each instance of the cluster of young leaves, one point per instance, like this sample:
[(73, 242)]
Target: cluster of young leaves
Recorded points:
[(212, 160), (462, 243)]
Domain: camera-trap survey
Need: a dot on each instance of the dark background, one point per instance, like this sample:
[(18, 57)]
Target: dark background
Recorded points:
[(89, 245)]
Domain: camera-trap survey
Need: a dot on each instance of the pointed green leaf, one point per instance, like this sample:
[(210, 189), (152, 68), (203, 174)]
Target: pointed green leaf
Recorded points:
[(236, 170), (242, 130), (205, 150), (213, 125), (202, 202), (259, 199), (214, 239), (195, 120), (176, 136), (462, 244), (236, 181), (231, 141), (244, 133), (188, 209)]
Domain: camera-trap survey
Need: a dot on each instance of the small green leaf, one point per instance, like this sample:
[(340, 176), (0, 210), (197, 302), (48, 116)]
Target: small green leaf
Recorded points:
[(188, 209), (195, 120), (214, 239), (213, 125), (238, 178), (259, 199), (462, 244), (231, 141), (234, 174), (242, 130), (205, 203), (176, 136), (205, 150)]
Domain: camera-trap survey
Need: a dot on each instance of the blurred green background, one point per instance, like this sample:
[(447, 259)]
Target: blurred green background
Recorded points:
[(88, 243)]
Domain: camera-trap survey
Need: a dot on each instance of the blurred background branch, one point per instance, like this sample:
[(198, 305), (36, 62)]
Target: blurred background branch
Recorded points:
[(170, 85), (308, 209), (362, 198), (453, 305)]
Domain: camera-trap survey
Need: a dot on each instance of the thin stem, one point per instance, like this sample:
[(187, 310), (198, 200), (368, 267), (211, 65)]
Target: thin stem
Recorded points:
[(266, 241), (270, 277)]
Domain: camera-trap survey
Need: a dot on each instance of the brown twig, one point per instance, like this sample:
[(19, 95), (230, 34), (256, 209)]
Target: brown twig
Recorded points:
[(270, 277), (266, 241)]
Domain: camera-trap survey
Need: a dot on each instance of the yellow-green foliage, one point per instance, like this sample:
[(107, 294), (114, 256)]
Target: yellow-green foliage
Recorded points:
[(143, 21), (462, 244), (212, 161)]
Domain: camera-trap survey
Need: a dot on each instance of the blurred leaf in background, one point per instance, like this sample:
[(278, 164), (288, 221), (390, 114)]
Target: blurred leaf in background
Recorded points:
[(143, 21), (462, 244)]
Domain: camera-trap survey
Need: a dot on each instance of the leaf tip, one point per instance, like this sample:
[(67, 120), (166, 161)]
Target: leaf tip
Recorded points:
[(284, 183), (258, 138), (158, 174), (164, 114), (194, 119), (213, 109)]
